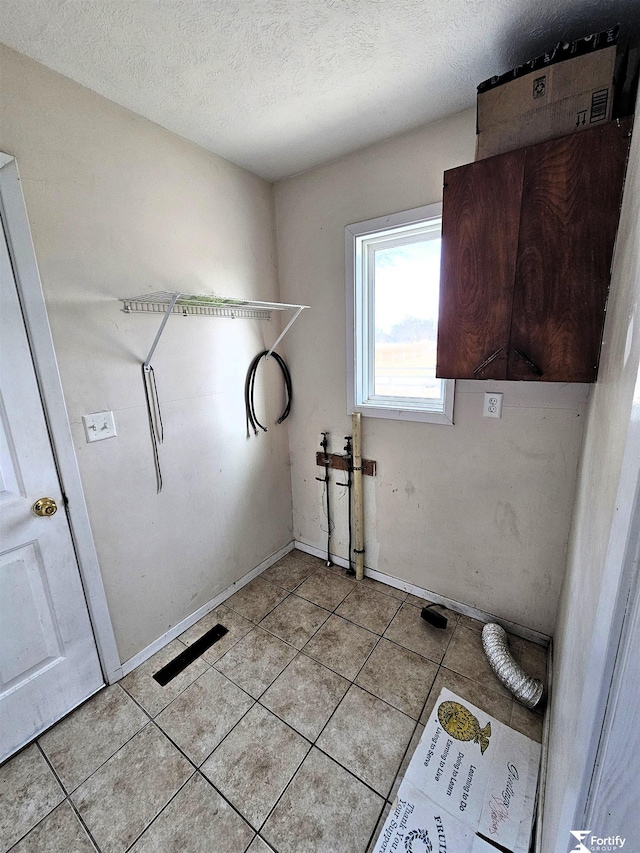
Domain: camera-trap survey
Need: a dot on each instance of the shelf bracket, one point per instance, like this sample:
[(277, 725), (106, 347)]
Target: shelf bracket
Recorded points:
[(287, 327), (146, 365)]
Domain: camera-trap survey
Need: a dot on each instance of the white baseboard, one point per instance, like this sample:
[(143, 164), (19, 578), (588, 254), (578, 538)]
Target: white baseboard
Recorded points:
[(457, 606), (389, 580), (181, 627)]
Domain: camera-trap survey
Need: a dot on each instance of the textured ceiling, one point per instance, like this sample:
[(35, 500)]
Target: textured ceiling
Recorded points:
[(280, 86)]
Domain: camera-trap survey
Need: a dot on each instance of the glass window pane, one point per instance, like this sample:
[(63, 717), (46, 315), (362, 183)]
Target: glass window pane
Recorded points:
[(406, 292)]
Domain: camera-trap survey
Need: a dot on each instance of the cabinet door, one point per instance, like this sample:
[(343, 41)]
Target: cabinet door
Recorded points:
[(570, 208), (481, 209)]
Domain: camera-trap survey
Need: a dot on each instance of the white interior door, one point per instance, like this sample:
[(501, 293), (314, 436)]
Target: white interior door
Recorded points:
[(48, 658)]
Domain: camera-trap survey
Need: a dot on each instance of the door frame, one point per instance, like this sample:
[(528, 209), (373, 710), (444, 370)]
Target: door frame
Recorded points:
[(31, 296), (601, 800), (619, 602), (618, 585)]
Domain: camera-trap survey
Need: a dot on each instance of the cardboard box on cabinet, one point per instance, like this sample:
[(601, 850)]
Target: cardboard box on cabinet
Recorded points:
[(564, 91)]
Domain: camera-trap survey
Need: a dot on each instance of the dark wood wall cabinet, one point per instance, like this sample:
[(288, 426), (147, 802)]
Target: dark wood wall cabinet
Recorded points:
[(527, 244)]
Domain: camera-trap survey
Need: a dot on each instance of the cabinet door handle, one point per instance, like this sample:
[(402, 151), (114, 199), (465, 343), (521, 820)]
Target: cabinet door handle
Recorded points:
[(487, 361), (528, 361)]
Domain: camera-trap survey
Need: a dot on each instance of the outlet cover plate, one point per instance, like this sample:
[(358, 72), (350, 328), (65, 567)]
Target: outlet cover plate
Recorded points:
[(99, 426), (492, 405)]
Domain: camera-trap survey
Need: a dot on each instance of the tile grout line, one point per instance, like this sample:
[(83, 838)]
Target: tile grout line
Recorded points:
[(333, 713), (162, 731), (228, 802), (71, 791), (232, 729), (197, 769), (264, 841), (418, 723), (350, 772), (314, 744), (264, 707), (131, 696), (335, 671), (154, 819), (288, 785), (400, 602), (67, 797), (353, 683), (387, 798), (301, 598), (282, 793), (255, 702), (331, 613), (346, 618), (280, 587), (373, 832)]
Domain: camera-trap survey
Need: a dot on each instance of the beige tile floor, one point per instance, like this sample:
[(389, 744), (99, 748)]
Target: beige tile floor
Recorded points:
[(291, 734)]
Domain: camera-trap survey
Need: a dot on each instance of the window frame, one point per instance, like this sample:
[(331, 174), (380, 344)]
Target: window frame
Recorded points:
[(360, 337)]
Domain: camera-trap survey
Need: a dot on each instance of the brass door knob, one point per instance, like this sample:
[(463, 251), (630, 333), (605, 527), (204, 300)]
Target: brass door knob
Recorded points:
[(45, 507)]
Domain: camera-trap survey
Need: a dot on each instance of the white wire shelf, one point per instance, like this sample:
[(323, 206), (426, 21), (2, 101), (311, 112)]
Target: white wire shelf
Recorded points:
[(168, 302), (204, 306)]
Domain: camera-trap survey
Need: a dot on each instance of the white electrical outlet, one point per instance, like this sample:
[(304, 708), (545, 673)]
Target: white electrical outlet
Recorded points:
[(99, 425), (492, 405)]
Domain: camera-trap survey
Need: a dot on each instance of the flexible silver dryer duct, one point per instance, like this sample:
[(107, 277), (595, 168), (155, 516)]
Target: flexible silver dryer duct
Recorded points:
[(525, 688)]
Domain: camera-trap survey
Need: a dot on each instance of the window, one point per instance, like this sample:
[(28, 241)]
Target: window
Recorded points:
[(393, 283)]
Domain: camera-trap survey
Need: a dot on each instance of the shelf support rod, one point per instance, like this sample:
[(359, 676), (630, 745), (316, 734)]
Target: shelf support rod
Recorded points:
[(147, 362), (286, 328)]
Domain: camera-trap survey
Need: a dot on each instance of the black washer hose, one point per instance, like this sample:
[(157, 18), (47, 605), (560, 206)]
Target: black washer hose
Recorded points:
[(249, 386)]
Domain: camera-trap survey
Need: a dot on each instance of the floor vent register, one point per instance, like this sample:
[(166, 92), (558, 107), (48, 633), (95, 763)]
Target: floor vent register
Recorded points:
[(174, 667)]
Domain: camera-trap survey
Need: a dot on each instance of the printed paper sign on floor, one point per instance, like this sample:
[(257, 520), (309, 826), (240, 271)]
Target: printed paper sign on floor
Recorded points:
[(470, 777)]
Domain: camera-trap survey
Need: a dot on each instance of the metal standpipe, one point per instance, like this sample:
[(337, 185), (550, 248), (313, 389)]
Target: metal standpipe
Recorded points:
[(356, 429)]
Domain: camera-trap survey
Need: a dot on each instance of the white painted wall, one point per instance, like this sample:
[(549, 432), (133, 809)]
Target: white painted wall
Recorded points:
[(478, 512), (119, 207), (587, 617)]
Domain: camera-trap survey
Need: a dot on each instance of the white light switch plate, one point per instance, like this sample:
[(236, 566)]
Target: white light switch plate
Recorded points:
[(492, 405), (99, 425)]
